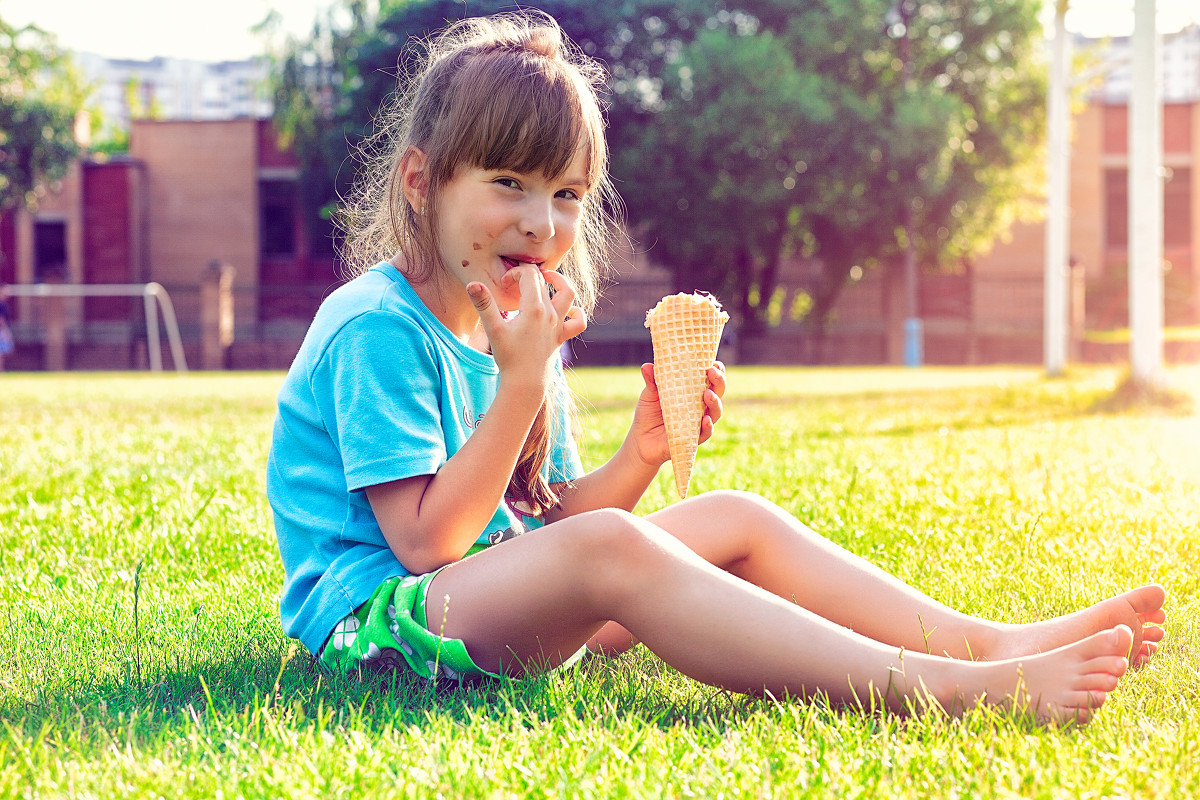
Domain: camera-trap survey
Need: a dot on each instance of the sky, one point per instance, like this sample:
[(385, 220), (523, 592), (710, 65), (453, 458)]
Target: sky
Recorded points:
[(219, 30), (204, 30)]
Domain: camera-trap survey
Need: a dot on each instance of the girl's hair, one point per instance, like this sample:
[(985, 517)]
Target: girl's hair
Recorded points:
[(503, 92)]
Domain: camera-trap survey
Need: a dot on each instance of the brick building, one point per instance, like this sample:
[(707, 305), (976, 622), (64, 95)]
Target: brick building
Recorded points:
[(189, 194)]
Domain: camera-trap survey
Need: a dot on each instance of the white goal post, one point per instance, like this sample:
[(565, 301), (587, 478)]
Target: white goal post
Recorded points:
[(154, 298)]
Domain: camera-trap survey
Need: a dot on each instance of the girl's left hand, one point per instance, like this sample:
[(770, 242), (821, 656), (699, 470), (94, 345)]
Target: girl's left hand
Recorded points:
[(648, 434)]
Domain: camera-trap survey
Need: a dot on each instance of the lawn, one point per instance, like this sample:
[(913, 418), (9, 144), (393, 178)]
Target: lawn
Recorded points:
[(141, 653)]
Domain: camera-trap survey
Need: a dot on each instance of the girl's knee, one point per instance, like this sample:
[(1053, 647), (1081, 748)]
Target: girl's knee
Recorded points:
[(617, 541), (751, 514), (609, 532), (737, 497), (739, 504)]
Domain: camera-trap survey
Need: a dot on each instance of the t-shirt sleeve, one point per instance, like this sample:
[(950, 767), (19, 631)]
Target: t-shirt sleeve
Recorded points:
[(378, 386)]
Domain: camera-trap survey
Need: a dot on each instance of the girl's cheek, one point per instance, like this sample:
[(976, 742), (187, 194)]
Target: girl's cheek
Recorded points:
[(570, 230)]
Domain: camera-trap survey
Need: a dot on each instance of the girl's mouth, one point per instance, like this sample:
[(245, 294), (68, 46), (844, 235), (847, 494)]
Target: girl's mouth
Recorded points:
[(512, 262)]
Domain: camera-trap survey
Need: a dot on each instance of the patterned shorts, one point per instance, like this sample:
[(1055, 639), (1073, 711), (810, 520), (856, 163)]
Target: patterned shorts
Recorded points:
[(390, 632)]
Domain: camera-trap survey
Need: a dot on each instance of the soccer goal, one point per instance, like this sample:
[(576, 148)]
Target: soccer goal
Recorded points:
[(155, 300)]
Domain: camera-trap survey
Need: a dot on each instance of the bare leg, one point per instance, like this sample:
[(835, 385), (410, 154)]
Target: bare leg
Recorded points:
[(535, 599), (759, 542)]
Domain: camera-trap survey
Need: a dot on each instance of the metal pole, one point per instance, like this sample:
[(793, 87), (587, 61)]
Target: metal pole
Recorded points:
[(1058, 212), (1145, 201), (153, 348), (913, 329), (172, 325)]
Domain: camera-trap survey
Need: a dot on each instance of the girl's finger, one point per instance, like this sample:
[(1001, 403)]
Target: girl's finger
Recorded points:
[(716, 378), (489, 312), (713, 404), (574, 323), (531, 285), (563, 296), (648, 377)]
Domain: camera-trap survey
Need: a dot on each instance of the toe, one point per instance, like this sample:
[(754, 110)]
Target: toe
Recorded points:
[(1156, 617), (1102, 682), (1153, 633), (1075, 714), (1122, 639), (1147, 599), (1144, 654)]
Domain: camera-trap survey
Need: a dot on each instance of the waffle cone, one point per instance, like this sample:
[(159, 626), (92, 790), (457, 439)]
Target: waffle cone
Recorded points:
[(685, 330)]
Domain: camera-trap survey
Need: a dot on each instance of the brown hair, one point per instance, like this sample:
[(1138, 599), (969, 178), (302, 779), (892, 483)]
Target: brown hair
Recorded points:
[(503, 92)]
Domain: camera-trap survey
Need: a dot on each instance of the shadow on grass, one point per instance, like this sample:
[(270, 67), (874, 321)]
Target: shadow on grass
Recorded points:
[(233, 692), (1133, 396)]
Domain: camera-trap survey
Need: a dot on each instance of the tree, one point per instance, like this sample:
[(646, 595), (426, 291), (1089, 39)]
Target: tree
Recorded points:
[(41, 95), (760, 149), (861, 143)]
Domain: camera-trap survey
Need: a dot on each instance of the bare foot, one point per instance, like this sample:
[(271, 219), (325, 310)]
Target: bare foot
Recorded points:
[(1140, 610), (1062, 686)]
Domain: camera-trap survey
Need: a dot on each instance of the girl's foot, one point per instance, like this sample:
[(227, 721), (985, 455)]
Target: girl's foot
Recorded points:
[(1140, 610), (1063, 686)]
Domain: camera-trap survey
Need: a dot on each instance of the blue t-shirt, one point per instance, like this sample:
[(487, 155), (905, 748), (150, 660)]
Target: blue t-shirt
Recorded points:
[(380, 390)]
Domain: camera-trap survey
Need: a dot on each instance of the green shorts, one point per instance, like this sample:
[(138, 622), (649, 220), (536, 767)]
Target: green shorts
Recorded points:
[(390, 632)]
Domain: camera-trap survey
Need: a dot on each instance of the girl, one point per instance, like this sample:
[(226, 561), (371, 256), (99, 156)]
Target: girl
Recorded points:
[(426, 419)]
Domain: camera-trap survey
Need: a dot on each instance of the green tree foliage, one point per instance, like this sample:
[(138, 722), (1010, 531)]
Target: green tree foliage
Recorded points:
[(41, 94), (795, 127), (759, 150), (316, 83), (746, 131)]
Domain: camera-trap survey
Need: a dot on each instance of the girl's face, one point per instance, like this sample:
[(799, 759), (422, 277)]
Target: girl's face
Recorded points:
[(493, 221)]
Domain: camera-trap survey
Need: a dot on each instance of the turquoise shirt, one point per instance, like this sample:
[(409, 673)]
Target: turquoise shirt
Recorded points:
[(380, 390)]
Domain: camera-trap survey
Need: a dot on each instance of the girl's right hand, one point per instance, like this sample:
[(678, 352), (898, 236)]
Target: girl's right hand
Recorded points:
[(524, 343)]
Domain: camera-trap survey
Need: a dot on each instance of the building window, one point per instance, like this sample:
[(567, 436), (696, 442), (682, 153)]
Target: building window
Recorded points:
[(1177, 208), (277, 218), (1116, 208), (49, 249)]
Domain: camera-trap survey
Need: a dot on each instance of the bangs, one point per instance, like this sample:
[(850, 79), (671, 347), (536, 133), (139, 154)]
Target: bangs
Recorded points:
[(520, 112)]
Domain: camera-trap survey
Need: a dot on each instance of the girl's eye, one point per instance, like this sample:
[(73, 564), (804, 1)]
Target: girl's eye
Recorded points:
[(511, 183), (569, 194)]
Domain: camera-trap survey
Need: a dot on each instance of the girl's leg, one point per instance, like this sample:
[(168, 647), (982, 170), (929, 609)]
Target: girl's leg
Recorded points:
[(537, 598), (759, 542)]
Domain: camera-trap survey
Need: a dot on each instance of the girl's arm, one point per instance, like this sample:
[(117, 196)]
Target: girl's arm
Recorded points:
[(429, 521), (621, 482)]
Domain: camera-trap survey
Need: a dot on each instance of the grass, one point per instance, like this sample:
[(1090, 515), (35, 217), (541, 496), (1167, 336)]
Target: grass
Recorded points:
[(141, 654)]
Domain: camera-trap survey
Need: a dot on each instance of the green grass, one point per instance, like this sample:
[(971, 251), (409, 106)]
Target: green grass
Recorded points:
[(141, 654)]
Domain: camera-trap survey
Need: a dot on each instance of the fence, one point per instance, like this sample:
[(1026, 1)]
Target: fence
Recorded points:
[(967, 320)]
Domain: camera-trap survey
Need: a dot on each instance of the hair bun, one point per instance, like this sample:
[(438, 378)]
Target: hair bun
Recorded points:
[(545, 41)]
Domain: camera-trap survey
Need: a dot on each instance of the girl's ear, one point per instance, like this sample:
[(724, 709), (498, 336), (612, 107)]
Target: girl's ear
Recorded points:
[(413, 179)]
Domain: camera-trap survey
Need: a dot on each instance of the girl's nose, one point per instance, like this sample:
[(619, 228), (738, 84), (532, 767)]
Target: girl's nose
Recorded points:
[(538, 222)]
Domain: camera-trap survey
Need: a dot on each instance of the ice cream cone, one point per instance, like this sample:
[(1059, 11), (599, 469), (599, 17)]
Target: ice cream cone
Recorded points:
[(685, 330)]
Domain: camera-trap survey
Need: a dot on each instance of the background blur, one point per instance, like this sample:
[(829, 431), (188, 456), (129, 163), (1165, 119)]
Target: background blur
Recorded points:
[(800, 160)]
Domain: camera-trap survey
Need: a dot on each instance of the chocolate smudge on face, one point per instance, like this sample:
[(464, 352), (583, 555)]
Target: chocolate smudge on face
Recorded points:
[(476, 246), (466, 263)]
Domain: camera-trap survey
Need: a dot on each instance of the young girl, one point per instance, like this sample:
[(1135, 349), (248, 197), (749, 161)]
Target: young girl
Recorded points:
[(431, 509)]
